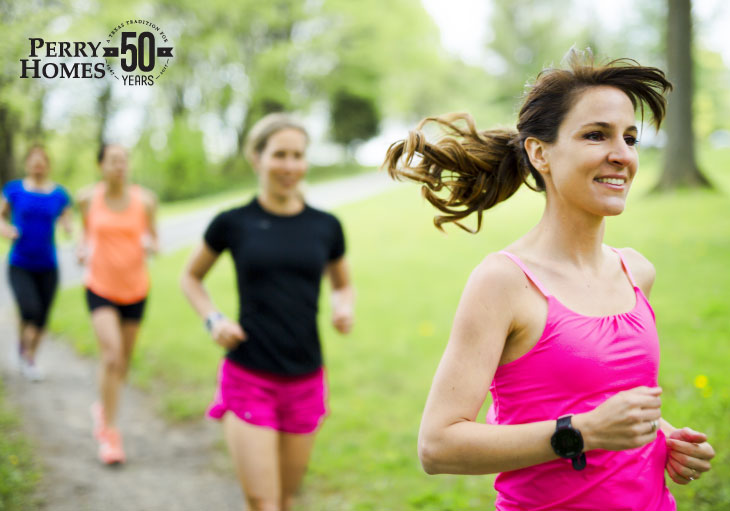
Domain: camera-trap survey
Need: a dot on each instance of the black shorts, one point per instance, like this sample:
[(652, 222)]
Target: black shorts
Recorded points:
[(34, 292), (129, 312)]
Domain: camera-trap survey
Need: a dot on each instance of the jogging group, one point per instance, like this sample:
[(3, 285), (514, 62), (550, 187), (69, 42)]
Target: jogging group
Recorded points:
[(557, 326)]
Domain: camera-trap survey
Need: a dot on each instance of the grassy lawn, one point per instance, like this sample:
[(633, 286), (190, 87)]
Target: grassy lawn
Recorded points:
[(409, 278), (18, 472)]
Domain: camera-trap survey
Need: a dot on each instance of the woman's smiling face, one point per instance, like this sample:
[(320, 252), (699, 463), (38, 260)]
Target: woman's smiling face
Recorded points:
[(593, 161), (36, 164), (281, 165)]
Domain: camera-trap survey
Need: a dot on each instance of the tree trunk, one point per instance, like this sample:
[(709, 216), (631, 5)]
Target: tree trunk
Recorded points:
[(103, 106), (680, 167), (36, 133), (7, 129)]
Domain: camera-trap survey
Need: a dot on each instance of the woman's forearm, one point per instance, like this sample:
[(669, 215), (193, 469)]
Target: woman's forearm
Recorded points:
[(66, 223), (197, 295), (7, 229), (343, 298), (468, 447)]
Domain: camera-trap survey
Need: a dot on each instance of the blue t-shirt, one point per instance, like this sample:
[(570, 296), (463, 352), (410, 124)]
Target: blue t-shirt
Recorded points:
[(34, 214)]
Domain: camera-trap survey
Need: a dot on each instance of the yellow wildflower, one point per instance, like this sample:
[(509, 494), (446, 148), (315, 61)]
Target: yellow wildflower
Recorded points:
[(701, 381)]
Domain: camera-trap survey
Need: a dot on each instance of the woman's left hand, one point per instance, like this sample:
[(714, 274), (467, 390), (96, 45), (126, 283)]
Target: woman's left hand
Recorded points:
[(689, 455), (342, 318)]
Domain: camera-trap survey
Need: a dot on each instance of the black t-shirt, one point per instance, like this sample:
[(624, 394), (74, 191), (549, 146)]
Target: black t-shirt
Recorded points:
[(279, 263)]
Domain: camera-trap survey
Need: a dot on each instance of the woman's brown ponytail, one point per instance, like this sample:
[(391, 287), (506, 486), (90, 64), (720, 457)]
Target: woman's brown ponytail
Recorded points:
[(479, 169)]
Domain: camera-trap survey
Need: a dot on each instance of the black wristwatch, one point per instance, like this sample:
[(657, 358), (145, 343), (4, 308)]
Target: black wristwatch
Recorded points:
[(567, 442), (211, 319)]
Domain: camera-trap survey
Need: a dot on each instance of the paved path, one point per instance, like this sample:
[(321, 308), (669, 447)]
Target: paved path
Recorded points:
[(170, 467)]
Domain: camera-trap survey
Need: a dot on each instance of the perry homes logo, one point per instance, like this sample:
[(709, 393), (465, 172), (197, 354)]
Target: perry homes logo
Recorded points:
[(137, 57), (139, 52)]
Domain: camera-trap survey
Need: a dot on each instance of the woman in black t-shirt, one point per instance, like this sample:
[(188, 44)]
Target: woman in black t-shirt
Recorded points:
[(272, 379)]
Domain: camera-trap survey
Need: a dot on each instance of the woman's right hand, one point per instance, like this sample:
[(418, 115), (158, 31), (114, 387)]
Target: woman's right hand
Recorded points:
[(8, 231), (228, 333), (624, 421)]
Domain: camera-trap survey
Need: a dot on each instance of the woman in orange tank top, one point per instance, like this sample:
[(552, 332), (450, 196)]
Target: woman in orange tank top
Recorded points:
[(119, 231)]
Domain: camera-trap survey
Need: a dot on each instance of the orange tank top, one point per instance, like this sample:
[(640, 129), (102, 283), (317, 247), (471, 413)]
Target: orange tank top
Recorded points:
[(116, 264)]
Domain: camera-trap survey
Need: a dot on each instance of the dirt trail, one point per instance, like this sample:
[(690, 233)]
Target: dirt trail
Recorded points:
[(169, 467)]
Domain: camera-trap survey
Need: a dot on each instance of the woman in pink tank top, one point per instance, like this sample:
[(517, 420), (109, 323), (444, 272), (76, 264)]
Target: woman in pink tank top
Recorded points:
[(119, 231), (558, 326)]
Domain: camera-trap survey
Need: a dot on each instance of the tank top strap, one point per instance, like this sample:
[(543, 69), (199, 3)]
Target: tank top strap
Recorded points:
[(625, 266), (527, 272)]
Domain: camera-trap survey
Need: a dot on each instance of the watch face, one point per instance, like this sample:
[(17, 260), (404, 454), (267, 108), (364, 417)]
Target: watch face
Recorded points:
[(567, 443)]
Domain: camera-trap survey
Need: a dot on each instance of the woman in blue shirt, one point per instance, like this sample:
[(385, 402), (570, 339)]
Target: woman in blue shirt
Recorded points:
[(29, 209)]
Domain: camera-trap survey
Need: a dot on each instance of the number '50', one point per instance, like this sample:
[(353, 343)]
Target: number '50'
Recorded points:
[(138, 52)]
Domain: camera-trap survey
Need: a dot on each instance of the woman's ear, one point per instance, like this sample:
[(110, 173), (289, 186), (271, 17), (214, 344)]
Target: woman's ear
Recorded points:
[(537, 153), (255, 160)]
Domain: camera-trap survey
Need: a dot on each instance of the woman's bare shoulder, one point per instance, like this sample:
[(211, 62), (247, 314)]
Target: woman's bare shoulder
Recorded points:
[(496, 274), (149, 198), (641, 268)]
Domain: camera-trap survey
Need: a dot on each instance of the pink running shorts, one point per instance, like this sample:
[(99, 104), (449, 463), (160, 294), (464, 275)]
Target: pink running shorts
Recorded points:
[(290, 404)]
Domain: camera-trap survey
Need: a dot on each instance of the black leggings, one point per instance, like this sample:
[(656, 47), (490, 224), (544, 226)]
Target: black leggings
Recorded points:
[(34, 291)]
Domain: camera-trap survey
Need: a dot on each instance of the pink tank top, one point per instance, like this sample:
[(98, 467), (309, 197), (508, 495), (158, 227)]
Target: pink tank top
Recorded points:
[(579, 362)]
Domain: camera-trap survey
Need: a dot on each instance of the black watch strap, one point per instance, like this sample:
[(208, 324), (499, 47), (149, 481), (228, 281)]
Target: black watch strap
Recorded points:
[(579, 462), (211, 319), (564, 422)]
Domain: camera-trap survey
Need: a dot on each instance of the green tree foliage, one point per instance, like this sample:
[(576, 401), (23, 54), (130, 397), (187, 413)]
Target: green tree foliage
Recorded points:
[(354, 119), (231, 65), (529, 35), (179, 170), (387, 51), (234, 63), (711, 100)]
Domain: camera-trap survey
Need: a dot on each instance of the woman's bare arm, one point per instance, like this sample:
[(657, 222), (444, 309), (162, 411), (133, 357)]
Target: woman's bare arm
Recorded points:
[(7, 230), (226, 332), (343, 295)]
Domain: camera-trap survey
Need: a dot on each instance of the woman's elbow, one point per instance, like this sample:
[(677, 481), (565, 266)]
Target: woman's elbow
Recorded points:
[(186, 280), (430, 454)]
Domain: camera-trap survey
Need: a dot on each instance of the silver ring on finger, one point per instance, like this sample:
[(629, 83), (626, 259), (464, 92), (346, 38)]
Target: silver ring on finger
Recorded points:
[(654, 426), (694, 475)]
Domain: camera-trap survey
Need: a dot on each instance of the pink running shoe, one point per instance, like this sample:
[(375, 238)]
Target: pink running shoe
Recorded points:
[(110, 447), (97, 417)]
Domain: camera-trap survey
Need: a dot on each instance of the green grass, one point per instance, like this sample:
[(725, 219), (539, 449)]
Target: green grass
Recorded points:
[(409, 278), (19, 474)]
